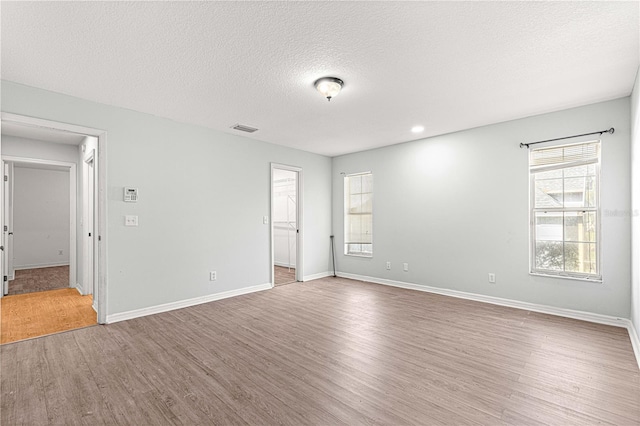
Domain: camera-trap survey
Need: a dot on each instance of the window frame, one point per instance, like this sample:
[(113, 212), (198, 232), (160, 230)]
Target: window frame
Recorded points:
[(346, 213), (597, 277)]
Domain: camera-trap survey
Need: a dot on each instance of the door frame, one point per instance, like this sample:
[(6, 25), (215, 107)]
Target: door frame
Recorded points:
[(299, 221), (102, 286), (88, 247)]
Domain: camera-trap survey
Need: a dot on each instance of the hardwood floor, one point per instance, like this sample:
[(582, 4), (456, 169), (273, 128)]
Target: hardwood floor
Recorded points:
[(39, 279), (25, 316), (284, 275), (327, 352)]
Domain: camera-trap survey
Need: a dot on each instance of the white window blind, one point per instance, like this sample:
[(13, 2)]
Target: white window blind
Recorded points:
[(565, 156), (358, 214)]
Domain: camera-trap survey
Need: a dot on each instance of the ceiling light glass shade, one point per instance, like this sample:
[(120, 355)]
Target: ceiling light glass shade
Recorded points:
[(329, 86), (417, 129)]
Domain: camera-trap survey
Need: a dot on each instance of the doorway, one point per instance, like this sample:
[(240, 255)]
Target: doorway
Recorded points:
[(39, 229), (86, 248), (286, 218)]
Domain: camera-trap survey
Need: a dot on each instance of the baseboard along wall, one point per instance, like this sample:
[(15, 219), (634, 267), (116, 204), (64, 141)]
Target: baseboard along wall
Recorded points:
[(136, 313), (551, 310), (568, 313), (39, 265)]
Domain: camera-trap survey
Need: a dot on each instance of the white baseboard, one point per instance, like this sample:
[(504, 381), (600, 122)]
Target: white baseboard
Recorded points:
[(551, 310), (78, 288), (40, 265), (317, 276), (569, 313), (284, 265), (635, 340), (122, 316)]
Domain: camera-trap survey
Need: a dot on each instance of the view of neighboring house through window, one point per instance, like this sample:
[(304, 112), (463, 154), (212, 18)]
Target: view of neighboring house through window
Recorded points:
[(565, 209), (358, 214)]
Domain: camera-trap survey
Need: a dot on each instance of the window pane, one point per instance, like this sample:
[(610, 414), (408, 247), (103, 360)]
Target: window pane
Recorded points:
[(367, 183), (355, 202), (580, 257), (551, 174), (549, 255), (366, 203), (574, 192), (548, 193), (355, 184), (580, 226), (548, 226)]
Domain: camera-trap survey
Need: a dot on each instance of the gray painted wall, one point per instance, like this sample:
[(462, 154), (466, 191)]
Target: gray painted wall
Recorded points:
[(41, 218), (635, 197), (193, 218), (456, 207)]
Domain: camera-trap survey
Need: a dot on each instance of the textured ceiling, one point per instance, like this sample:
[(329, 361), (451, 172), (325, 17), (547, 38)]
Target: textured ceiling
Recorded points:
[(445, 65)]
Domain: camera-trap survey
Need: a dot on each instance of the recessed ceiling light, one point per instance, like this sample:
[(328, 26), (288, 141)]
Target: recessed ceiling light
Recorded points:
[(417, 129)]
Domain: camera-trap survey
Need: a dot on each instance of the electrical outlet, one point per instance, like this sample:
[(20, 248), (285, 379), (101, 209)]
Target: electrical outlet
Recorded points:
[(405, 267), (213, 275), (265, 220), (492, 278), (388, 265)]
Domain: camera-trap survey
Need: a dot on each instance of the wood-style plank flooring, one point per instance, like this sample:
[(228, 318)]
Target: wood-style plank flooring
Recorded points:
[(25, 316), (327, 352), (39, 279), (284, 275)]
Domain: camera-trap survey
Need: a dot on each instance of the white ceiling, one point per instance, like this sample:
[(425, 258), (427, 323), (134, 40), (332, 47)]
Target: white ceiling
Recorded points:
[(445, 65)]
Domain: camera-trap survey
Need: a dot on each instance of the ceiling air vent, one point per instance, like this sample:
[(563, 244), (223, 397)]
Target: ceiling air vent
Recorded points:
[(244, 128)]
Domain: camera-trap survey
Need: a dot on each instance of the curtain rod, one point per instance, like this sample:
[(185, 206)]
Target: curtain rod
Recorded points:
[(611, 130)]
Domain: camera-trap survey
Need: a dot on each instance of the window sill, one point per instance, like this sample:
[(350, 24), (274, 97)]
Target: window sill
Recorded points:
[(597, 280), (366, 256)]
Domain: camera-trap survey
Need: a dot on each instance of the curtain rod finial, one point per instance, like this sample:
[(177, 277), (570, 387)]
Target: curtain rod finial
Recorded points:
[(611, 130), (522, 145)]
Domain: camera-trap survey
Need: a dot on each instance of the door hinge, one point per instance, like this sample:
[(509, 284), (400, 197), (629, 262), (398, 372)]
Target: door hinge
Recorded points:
[(5, 278), (5, 228), (6, 178), (89, 233), (99, 238)]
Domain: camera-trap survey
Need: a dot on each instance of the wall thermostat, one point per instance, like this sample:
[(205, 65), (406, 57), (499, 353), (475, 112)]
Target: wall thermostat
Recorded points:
[(130, 195)]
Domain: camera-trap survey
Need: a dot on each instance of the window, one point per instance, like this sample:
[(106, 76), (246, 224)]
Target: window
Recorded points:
[(565, 210), (358, 214)]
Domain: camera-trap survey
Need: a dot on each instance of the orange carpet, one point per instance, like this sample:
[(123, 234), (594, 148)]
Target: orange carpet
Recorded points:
[(37, 314)]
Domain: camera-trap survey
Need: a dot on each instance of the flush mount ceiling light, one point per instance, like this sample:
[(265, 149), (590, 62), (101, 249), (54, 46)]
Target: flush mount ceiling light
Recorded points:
[(329, 86), (417, 129)]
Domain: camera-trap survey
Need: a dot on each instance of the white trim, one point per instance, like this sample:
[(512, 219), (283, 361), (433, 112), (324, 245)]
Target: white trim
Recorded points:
[(122, 316), (635, 340), (562, 312), (40, 265), (317, 276), (284, 265), (101, 296)]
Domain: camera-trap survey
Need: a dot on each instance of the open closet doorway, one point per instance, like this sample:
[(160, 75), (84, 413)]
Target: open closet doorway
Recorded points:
[(286, 217)]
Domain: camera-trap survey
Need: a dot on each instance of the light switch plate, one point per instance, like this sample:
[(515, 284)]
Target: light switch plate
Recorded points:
[(131, 220)]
